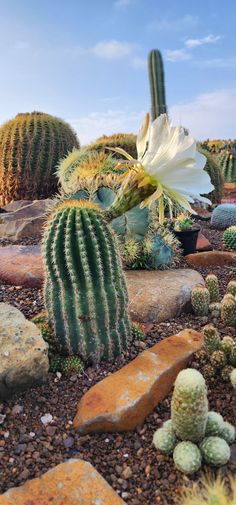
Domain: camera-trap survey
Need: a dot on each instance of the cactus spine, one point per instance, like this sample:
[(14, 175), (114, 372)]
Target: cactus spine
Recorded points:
[(85, 291), (157, 83), (31, 145)]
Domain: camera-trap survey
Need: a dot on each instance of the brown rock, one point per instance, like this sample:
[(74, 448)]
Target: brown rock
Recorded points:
[(202, 213), (16, 205), (211, 258), (156, 296), (21, 265), (203, 243), (75, 482), (122, 400), (26, 221)]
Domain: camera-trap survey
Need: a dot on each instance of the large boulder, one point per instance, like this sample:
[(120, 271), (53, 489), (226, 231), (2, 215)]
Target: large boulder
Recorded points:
[(23, 352), (121, 401), (21, 265), (26, 221), (75, 482), (156, 296)]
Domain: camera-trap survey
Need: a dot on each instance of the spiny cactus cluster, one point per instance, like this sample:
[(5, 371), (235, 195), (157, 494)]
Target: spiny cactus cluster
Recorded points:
[(126, 141), (194, 435), (85, 291), (206, 300), (223, 216), (31, 145), (229, 237), (217, 358)]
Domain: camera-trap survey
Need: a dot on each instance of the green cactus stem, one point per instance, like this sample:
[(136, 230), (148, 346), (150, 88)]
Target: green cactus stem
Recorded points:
[(212, 284), (157, 83)]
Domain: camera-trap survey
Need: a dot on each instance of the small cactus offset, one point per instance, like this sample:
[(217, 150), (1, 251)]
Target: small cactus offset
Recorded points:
[(157, 83), (227, 345), (212, 284), (215, 451), (189, 406), (211, 337), (209, 372), (85, 291), (229, 237), (187, 457), (137, 332), (226, 372), (165, 440), (218, 359), (228, 432), (200, 300), (72, 365), (228, 311), (215, 424), (231, 288)]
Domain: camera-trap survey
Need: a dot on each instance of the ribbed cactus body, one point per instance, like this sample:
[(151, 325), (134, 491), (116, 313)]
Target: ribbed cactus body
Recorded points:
[(229, 237), (212, 167), (227, 162), (31, 145), (157, 83), (212, 284), (85, 291), (223, 216)]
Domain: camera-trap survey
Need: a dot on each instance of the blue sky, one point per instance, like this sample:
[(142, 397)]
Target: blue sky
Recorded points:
[(86, 61)]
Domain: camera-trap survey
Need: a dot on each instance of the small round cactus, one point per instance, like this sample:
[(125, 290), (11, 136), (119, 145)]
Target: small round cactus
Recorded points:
[(137, 332), (215, 451), (214, 309), (227, 345), (211, 337), (228, 311), (229, 237), (189, 406), (202, 356), (212, 284), (232, 356), (233, 378), (168, 425), (218, 359), (209, 372), (164, 440), (72, 364), (200, 300), (231, 288), (228, 433), (225, 373), (187, 457), (214, 425), (56, 363)]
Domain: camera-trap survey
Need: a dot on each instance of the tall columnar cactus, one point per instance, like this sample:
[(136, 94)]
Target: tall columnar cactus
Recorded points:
[(157, 83), (189, 406), (85, 291), (227, 162), (31, 145), (212, 167)]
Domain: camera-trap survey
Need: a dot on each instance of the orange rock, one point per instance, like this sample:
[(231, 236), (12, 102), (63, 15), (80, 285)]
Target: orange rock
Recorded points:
[(75, 482), (122, 400), (21, 265), (203, 243), (211, 258)]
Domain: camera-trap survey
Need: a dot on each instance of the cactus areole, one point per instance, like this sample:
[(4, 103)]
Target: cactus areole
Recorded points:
[(85, 291)]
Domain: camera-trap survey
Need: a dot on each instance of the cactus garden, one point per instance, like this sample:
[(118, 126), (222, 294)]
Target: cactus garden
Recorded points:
[(117, 276)]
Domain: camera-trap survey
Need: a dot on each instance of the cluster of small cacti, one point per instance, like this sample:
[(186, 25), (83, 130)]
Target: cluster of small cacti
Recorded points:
[(30, 148), (229, 237), (205, 301), (193, 434), (85, 290), (218, 356), (223, 216)]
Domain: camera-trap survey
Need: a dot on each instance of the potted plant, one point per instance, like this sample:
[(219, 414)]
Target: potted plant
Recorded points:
[(186, 233)]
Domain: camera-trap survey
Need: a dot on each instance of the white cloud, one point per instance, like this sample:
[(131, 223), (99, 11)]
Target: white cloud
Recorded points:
[(112, 49), (209, 39), (111, 121), (177, 55), (209, 115), (177, 24), (120, 4)]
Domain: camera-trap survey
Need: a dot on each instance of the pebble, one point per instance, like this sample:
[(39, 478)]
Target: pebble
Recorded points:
[(127, 472), (68, 442), (51, 430), (46, 419)]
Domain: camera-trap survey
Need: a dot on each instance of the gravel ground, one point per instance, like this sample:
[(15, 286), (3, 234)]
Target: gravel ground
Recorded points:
[(128, 461)]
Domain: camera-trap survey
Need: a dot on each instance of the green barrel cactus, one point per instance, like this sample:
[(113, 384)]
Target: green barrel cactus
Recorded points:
[(189, 406), (215, 451), (223, 216), (212, 284), (211, 337), (233, 378), (228, 433), (229, 237), (157, 83), (85, 291), (126, 141), (31, 145), (165, 440), (215, 424), (200, 300), (187, 458), (231, 288)]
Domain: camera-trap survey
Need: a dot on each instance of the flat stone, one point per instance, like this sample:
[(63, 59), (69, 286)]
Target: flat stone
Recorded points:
[(121, 401), (25, 221), (202, 213), (75, 482), (16, 205), (23, 352), (211, 258), (203, 243), (156, 296), (21, 265)]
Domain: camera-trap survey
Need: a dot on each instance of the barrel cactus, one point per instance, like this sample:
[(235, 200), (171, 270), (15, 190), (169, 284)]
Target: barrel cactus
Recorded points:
[(187, 457), (126, 141), (229, 237), (85, 291), (157, 83), (189, 406), (223, 216), (227, 162), (215, 451), (31, 145)]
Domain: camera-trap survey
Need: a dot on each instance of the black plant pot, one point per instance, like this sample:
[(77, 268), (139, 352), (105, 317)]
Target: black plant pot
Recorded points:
[(188, 239)]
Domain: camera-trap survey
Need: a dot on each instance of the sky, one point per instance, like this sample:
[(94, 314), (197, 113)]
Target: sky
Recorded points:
[(86, 62)]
